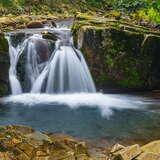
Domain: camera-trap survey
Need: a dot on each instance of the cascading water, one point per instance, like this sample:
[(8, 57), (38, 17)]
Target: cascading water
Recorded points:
[(64, 71), (36, 68)]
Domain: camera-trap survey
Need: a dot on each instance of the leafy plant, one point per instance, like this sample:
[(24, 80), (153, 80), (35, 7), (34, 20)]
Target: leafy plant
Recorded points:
[(6, 3)]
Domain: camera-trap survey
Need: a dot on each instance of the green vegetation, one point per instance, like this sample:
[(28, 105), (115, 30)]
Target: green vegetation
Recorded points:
[(128, 6), (141, 10)]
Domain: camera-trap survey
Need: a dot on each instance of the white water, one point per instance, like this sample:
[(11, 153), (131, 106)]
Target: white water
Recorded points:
[(105, 103), (14, 53), (64, 72)]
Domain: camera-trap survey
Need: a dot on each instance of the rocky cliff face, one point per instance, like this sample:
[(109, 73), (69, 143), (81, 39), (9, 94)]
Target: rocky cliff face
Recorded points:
[(4, 66), (10, 24), (119, 54)]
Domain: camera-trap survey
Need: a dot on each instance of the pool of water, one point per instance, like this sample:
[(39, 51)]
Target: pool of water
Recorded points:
[(86, 116)]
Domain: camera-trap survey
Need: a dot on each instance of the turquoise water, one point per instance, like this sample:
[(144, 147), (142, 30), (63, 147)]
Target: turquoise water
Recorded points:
[(86, 116)]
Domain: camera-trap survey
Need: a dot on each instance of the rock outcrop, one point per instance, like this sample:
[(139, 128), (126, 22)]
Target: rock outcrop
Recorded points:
[(119, 54), (9, 24), (35, 24), (4, 65), (150, 151), (24, 143)]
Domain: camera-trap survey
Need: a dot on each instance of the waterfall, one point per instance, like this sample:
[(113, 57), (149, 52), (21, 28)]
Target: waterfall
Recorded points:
[(64, 70)]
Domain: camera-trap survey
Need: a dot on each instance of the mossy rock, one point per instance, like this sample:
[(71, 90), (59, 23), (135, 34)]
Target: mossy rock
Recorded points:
[(3, 44), (4, 65), (119, 54)]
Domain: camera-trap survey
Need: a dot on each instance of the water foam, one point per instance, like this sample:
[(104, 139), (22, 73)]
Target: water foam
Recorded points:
[(104, 102)]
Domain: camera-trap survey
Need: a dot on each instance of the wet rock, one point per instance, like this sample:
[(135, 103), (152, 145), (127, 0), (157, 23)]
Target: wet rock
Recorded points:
[(53, 24), (35, 24), (157, 26), (21, 27), (50, 36)]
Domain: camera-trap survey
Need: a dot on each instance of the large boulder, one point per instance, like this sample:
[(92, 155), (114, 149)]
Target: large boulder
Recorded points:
[(153, 147), (119, 54), (35, 24)]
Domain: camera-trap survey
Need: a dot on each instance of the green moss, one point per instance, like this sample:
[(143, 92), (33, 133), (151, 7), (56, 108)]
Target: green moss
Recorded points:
[(3, 89), (119, 52), (3, 44)]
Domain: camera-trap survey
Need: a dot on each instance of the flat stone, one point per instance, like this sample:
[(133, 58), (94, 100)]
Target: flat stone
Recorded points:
[(43, 158), (4, 156), (22, 156), (116, 148), (26, 148), (127, 153), (42, 153), (148, 156), (82, 157), (39, 137), (153, 147)]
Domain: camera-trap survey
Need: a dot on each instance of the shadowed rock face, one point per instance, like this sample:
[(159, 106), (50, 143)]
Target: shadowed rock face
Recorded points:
[(120, 55), (35, 24), (150, 151), (42, 50), (4, 65)]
